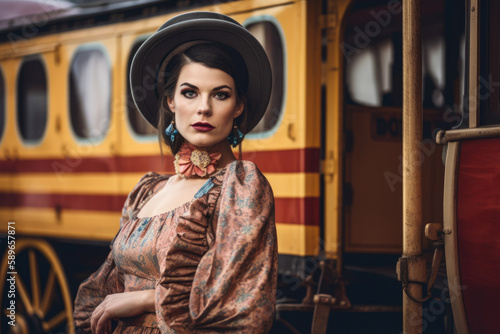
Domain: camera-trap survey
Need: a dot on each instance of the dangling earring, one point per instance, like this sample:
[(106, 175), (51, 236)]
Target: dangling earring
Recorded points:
[(171, 131), (236, 136)]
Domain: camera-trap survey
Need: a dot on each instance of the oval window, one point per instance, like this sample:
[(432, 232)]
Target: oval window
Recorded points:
[(32, 100), (90, 94), (139, 125), (268, 35)]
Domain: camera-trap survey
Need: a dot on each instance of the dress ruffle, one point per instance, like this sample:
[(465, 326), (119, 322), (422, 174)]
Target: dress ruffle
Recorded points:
[(194, 235)]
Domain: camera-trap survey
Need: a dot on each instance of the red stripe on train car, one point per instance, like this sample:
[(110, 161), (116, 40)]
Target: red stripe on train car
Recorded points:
[(297, 211), (284, 161), (64, 201), (301, 211), (478, 232)]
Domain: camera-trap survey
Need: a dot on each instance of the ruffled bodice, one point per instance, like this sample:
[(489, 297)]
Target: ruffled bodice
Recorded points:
[(212, 261)]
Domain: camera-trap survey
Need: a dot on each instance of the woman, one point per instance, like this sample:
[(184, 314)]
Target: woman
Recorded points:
[(197, 251)]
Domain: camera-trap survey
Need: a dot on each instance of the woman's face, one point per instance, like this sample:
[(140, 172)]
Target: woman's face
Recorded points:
[(204, 104)]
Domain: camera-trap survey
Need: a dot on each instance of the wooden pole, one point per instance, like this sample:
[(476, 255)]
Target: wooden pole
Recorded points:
[(473, 64), (412, 160)]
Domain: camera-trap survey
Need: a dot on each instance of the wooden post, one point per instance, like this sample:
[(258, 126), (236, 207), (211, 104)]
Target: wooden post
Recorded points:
[(412, 171), (473, 64)]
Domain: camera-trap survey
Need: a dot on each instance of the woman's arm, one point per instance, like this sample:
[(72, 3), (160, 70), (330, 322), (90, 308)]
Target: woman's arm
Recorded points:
[(93, 290), (121, 305)]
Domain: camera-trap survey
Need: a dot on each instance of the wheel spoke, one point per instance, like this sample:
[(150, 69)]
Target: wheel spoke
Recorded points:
[(54, 322), (40, 288), (47, 294), (21, 289), (35, 279)]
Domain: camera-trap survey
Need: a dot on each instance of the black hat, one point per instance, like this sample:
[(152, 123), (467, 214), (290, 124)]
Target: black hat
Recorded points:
[(187, 29)]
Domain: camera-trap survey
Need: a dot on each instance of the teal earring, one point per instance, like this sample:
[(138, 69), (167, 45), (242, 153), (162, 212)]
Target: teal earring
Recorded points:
[(235, 137), (171, 131)]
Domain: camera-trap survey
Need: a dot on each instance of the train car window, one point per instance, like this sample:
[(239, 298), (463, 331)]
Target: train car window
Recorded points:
[(489, 80), (372, 51), (374, 78), (32, 99), (137, 123), (2, 104), (268, 32), (90, 93)]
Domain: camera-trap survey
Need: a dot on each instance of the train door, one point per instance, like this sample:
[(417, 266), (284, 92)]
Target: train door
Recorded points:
[(363, 126), (93, 114), (372, 122), (32, 135), (472, 181)]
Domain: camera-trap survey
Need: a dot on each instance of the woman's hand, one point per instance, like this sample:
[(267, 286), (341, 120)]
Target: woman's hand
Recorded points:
[(121, 305)]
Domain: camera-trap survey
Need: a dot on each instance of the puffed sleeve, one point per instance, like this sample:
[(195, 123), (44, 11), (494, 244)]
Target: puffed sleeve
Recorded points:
[(93, 290), (107, 279), (234, 284)]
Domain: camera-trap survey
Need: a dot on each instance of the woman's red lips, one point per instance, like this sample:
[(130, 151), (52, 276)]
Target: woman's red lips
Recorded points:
[(204, 127)]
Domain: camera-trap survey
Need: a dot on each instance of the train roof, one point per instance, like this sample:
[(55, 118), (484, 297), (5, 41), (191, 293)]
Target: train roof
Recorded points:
[(24, 19)]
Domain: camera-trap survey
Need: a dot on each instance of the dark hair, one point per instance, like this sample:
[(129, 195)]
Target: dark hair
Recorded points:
[(212, 55)]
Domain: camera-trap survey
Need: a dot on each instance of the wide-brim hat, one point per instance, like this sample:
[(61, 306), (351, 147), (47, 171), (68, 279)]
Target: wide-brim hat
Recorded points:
[(197, 27)]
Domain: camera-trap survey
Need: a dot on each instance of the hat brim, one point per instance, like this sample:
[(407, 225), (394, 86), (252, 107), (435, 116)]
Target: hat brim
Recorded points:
[(149, 57)]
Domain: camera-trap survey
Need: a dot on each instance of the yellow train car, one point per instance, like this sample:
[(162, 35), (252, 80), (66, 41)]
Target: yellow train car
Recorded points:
[(72, 145)]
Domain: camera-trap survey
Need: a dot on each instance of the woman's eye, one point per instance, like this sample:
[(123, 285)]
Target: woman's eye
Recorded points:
[(221, 95), (188, 93)]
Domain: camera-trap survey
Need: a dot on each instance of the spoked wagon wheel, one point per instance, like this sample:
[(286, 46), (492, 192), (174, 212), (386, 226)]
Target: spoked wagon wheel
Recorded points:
[(37, 284)]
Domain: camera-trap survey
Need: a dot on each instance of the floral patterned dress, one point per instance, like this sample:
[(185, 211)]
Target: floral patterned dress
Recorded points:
[(212, 261)]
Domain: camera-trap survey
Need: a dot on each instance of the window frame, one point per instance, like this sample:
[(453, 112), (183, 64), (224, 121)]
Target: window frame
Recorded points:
[(25, 59), (130, 129), (95, 140), (272, 20)]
